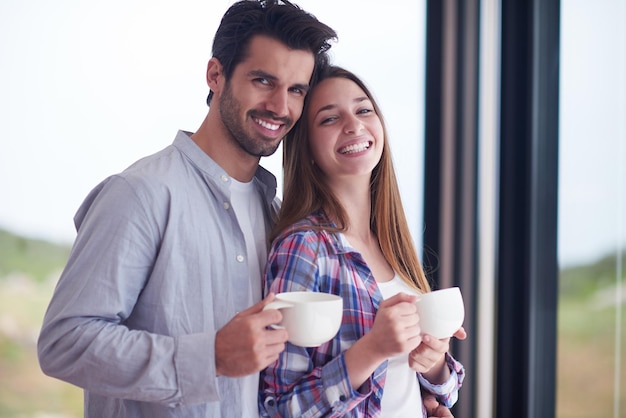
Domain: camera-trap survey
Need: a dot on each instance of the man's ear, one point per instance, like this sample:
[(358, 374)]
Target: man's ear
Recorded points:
[(214, 75)]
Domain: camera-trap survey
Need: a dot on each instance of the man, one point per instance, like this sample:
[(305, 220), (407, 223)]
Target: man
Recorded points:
[(158, 312)]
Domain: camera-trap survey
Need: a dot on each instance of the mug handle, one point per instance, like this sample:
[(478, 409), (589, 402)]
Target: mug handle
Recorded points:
[(278, 304)]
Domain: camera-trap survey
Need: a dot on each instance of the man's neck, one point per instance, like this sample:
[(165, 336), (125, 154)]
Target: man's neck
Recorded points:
[(213, 139)]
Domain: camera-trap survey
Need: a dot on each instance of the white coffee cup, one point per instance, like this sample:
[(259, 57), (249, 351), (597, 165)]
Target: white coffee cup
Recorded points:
[(441, 312), (310, 318)]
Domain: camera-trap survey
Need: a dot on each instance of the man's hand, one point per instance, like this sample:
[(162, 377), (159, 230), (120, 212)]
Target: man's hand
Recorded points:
[(245, 346), (434, 409)]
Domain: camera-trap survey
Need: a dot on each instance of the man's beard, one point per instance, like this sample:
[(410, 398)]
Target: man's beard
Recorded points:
[(230, 111)]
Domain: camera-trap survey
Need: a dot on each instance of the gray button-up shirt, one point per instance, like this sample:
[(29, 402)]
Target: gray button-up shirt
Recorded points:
[(158, 266)]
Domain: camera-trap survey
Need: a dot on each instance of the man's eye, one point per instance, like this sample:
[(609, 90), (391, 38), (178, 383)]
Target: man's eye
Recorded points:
[(263, 81), (298, 91)]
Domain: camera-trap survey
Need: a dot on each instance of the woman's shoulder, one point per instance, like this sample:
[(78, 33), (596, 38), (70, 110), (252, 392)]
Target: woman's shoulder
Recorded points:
[(306, 232)]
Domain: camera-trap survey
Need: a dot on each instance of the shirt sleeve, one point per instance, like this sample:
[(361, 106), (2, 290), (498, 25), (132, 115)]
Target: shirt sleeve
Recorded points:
[(446, 393), (85, 339), (310, 382)]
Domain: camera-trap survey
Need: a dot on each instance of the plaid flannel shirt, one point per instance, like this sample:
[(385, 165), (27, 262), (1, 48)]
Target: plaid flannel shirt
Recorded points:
[(313, 382)]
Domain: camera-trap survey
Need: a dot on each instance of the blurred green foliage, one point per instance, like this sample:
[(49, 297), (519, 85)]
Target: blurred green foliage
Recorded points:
[(34, 258), (580, 282), (29, 269)]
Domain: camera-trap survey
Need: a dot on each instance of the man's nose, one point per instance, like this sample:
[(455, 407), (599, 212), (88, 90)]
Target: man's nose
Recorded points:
[(278, 103)]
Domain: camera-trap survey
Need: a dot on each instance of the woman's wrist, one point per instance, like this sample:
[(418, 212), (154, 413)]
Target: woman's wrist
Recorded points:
[(439, 373)]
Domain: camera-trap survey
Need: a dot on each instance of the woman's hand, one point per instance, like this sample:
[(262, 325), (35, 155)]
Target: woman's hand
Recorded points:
[(396, 330), (396, 327), (429, 357)]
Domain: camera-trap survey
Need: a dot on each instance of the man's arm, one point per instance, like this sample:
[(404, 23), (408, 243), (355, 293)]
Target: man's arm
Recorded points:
[(85, 340)]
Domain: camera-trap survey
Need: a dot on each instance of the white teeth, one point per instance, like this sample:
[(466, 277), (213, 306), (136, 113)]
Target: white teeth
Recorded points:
[(351, 149), (267, 125)]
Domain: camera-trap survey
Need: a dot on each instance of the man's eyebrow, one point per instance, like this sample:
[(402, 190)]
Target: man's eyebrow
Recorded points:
[(263, 74)]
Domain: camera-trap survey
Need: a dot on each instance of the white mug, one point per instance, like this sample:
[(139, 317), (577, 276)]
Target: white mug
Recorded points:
[(441, 312), (310, 318)]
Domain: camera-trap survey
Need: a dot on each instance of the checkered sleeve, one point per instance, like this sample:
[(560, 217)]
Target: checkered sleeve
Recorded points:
[(448, 392), (304, 382)]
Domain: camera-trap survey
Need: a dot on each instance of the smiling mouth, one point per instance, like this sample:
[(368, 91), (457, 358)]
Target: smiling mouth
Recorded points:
[(267, 125), (354, 148)]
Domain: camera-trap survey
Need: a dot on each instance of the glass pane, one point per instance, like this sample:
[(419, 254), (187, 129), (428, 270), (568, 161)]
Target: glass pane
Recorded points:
[(591, 377)]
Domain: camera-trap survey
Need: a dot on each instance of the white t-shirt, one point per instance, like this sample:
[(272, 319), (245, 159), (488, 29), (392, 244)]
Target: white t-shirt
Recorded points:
[(401, 394), (247, 204)]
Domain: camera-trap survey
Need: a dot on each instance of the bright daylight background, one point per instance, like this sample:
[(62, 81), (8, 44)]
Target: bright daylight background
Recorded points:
[(87, 88)]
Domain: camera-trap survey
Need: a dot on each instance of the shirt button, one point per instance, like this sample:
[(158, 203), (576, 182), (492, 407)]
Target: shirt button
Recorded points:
[(240, 258), (224, 178), (226, 205), (342, 398)]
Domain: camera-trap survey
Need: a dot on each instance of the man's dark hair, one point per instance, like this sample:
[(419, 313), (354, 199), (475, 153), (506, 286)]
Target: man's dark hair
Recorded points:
[(280, 20)]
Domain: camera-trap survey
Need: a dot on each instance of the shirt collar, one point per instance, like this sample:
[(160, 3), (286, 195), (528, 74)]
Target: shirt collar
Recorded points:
[(183, 141)]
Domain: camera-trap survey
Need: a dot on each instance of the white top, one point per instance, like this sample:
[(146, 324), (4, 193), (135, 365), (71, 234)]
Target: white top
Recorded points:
[(248, 207), (401, 394)]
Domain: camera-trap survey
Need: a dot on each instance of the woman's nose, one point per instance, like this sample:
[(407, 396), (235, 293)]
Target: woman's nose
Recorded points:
[(352, 125)]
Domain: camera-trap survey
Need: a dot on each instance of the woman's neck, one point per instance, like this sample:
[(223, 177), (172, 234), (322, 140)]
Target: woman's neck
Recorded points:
[(354, 196)]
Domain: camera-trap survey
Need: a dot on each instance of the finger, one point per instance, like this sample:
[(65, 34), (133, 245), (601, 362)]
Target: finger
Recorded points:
[(460, 334), (439, 345), (259, 316), (258, 307), (443, 412), (399, 298), (434, 409), (268, 317), (273, 353), (430, 402), (276, 336), (424, 360), (403, 311)]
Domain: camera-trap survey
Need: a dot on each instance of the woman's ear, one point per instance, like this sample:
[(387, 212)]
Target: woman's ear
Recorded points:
[(214, 75)]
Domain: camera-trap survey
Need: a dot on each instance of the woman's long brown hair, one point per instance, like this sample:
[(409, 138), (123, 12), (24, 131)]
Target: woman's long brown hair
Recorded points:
[(305, 193)]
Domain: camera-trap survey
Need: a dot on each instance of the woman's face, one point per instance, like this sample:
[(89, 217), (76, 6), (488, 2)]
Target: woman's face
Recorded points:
[(345, 133)]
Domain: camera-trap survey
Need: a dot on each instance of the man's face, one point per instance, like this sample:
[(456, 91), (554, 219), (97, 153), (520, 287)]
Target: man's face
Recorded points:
[(265, 95)]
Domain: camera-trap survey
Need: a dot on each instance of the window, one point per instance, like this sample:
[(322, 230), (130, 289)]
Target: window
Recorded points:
[(592, 210)]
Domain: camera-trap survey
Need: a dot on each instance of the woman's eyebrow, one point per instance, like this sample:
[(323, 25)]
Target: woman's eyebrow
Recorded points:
[(332, 105)]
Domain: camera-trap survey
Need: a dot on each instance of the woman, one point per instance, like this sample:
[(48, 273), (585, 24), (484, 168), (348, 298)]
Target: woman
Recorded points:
[(342, 230)]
